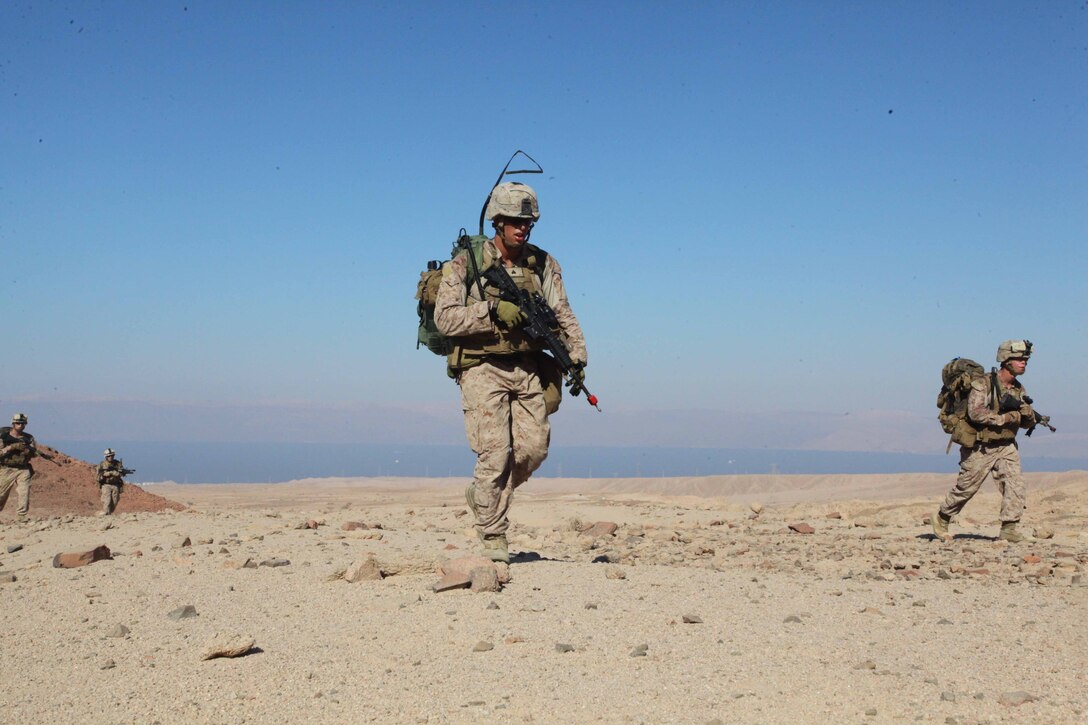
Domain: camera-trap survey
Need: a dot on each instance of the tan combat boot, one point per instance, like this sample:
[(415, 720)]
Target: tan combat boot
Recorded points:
[(940, 526), (495, 548), (1009, 533)]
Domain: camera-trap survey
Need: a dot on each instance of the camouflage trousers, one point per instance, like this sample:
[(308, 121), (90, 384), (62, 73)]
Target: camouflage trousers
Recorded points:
[(19, 479), (507, 429), (111, 494), (1003, 462)]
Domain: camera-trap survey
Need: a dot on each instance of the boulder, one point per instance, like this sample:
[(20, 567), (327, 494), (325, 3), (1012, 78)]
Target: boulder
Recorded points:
[(72, 559)]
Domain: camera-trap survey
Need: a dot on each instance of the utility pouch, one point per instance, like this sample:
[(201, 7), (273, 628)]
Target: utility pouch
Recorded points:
[(551, 380)]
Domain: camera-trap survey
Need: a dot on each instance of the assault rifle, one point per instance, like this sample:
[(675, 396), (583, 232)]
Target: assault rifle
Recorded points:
[(127, 471), (540, 322), (1010, 403)]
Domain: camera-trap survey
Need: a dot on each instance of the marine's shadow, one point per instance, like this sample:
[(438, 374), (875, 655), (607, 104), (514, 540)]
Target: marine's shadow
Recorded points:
[(528, 557), (960, 537)]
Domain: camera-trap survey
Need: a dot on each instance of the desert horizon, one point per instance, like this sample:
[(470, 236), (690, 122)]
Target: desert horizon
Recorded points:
[(764, 599)]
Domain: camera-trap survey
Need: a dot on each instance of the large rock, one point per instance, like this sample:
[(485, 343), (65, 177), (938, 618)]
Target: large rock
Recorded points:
[(72, 559), (600, 529)]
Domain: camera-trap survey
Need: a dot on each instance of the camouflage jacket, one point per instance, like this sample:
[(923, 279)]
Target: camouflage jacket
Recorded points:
[(460, 312), (110, 472), (18, 451), (984, 410)]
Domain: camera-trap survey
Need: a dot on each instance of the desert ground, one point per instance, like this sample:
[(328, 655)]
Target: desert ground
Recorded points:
[(704, 603)]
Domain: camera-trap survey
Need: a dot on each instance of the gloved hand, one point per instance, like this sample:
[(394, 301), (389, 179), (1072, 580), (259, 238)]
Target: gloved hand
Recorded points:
[(577, 376), (1026, 412), (1012, 417), (509, 314)]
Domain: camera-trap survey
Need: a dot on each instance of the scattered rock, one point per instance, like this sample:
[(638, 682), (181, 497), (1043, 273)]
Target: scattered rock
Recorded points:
[(561, 647), (1041, 533), (182, 543), (600, 529), (227, 645), (834, 515), (465, 564), (792, 619), (353, 525), (866, 665), (757, 507), (74, 559), (107, 665), (14, 547), (947, 696), (484, 579), (692, 619), (454, 580), (119, 630), (483, 646), (615, 572), (183, 612), (1016, 699), (6, 577), (802, 528), (277, 562), (640, 650), (366, 570)]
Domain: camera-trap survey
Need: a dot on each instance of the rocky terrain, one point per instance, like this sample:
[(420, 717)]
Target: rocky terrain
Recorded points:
[(686, 600)]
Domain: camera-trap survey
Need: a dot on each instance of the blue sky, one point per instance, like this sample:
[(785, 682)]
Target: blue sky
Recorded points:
[(758, 206)]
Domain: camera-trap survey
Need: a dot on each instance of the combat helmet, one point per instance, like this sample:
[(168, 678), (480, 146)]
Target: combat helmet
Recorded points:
[(109, 452), (514, 200), (1014, 350), (18, 418)]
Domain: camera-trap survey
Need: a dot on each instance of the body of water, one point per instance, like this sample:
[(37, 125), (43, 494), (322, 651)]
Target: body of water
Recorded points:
[(218, 462)]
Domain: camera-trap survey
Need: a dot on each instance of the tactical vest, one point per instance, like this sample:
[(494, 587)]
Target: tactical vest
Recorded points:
[(105, 466), (23, 452), (469, 351), (990, 434)]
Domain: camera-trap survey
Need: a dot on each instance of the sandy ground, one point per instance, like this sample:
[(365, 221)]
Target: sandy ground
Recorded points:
[(696, 610)]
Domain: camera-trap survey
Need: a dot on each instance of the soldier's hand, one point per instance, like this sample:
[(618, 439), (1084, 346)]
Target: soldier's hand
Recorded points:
[(509, 314), (1026, 413), (1012, 417), (577, 376)]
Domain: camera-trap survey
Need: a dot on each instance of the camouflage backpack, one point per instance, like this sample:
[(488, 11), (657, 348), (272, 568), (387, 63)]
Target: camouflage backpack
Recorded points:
[(427, 294), (956, 378)]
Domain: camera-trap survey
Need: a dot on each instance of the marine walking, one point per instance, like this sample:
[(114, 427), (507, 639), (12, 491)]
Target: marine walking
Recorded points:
[(509, 384), (17, 449), (985, 425), (110, 474)]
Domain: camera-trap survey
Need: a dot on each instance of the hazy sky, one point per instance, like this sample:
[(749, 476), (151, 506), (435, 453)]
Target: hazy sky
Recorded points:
[(757, 206)]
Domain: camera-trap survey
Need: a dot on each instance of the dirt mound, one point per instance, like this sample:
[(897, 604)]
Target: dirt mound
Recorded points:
[(67, 485)]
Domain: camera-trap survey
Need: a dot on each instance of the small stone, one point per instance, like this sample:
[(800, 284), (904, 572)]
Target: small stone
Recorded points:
[(757, 507), (482, 646), (353, 525), (600, 529), (227, 645), (947, 696), (484, 579), (942, 620), (615, 572), (119, 630), (514, 639), (1016, 698), (365, 570), (182, 543), (870, 712), (183, 612), (6, 577), (866, 665), (563, 648), (454, 580), (277, 562), (802, 528), (692, 619), (591, 605), (792, 619), (1041, 533), (107, 665), (640, 650), (73, 559), (14, 547), (492, 605)]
